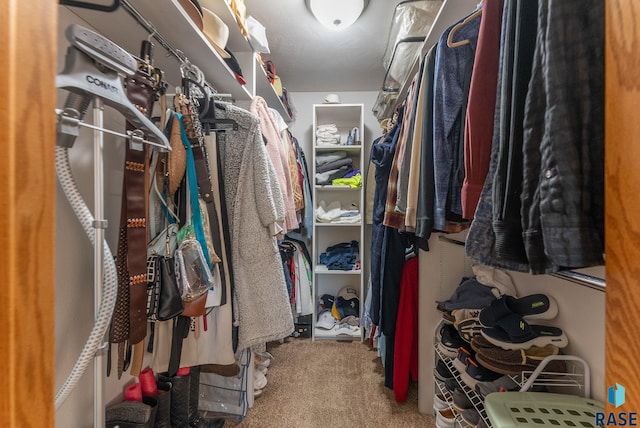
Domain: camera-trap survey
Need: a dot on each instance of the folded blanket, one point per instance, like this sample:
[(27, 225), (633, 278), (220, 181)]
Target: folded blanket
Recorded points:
[(329, 176), (323, 158), (334, 165)]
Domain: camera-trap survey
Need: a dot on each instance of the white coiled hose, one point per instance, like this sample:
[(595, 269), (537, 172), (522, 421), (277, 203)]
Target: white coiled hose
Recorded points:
[(110, 283)]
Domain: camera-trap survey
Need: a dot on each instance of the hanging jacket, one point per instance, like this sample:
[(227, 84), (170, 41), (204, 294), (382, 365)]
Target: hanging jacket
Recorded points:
[(563, 199), (279, 159)]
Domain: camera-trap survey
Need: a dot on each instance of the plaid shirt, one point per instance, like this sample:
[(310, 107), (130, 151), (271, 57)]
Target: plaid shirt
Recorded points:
[(391, 217)]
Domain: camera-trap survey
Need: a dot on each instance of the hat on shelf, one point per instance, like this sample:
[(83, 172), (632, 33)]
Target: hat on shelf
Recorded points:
[(216, 32), (326, 320), (346, 303), (232, 63), (277, 85), (194, 11), (332, 99), (257, 35), (326, 301)]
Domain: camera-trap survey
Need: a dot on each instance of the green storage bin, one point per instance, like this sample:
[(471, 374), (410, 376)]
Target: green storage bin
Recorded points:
[(541, 409)]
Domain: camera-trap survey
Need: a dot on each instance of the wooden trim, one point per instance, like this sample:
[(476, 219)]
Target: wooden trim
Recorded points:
[(28, 49), (622, 177)]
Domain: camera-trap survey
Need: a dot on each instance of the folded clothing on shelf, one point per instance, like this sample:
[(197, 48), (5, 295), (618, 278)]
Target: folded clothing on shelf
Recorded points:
[(333, 213), (343, 256), (352, 179), (333, 165), (325, 158), (327, 177)]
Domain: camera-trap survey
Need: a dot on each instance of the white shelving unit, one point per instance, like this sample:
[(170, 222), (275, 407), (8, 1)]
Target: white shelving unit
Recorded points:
[(175, 26), (325, 281)]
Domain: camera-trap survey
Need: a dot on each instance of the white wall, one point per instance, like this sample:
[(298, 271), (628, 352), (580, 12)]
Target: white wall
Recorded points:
[(581, 311), (301, 128), (74, 301)]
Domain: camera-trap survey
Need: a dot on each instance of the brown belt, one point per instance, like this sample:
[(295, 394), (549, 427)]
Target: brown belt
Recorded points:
[(129, 324)]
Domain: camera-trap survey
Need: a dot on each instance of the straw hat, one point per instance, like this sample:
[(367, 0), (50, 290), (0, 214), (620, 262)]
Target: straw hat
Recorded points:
[(216, 31), (193, 10)]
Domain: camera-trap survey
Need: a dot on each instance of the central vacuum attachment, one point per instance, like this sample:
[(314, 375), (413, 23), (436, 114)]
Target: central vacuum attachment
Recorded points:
[(91, 70)]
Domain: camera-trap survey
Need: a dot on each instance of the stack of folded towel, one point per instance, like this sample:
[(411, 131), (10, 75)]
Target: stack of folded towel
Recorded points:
[(327, 135)]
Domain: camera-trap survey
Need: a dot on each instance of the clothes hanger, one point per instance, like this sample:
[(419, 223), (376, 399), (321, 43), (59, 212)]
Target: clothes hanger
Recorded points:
[(91, 71), (212, 123), (458, 26)]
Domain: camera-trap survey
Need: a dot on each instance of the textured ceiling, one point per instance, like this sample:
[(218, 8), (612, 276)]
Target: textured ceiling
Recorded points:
[(310, 57)]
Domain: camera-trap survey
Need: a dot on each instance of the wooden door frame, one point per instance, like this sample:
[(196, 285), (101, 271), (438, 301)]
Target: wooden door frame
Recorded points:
[(27, 206), (622, 179), (28, 54)]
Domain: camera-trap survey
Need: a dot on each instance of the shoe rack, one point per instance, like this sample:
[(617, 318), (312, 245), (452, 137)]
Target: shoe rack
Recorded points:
[(575, 380)]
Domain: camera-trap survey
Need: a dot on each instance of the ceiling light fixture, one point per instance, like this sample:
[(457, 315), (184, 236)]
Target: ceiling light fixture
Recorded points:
[(336, 14)]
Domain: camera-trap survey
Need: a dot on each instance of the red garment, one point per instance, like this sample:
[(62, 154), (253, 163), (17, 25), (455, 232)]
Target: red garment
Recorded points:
[(478, 130), (405, 357)]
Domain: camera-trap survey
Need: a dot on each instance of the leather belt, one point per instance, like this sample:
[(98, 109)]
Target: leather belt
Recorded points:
[(129, 323)]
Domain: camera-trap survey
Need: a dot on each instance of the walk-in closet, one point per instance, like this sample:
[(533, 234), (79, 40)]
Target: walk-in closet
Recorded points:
[(310, 213)]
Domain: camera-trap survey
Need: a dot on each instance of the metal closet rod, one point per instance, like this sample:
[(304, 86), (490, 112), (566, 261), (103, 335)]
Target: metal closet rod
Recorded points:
[(568, 275), (151, 29)]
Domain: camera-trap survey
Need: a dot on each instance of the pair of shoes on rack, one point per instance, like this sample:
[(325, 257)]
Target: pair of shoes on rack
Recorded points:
[(514, 362), (442, 372), (440, 402), (506, 322), (469, 368), (449, 340), (445, 418)]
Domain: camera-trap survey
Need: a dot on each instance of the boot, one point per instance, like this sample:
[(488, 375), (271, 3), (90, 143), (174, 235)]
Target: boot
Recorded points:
[(163, 415), (194, 395), (132, 414), (179, 399)]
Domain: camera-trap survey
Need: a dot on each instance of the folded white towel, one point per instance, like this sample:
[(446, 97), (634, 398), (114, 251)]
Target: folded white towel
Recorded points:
[(328, 127)]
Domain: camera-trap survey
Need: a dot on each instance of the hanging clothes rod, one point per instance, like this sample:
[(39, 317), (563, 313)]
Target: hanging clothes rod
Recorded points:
[(451, 240), (567, 275), (151, 29)]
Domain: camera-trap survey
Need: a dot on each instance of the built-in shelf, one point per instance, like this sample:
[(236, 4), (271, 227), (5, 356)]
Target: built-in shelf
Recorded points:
[(323, 270), (169, 20), (336, 147), (332, 187), (321, 333), (339, 224)]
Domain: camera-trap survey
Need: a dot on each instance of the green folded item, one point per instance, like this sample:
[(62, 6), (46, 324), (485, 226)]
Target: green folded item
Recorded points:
[(353, 182)]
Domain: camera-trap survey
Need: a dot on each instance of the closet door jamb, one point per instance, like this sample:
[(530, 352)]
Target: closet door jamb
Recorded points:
[(622, 178), (28, 52)]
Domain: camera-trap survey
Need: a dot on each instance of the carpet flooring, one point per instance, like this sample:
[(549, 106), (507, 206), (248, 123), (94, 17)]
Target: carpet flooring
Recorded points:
[(330, 384)]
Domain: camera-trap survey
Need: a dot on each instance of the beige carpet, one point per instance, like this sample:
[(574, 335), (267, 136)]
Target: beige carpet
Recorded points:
[(330, 384)]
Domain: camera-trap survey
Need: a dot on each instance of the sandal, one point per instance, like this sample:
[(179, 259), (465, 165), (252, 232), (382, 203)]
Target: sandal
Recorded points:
[(512, 332), (534, 306)]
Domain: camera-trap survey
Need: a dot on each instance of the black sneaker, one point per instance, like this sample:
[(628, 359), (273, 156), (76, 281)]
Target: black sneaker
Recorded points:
[(442, 372)]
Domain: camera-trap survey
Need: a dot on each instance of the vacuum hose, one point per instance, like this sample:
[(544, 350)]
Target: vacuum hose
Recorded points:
[(110, 283)]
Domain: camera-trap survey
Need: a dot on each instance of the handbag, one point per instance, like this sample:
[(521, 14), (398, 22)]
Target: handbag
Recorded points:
[(164, 301), (193, 277)]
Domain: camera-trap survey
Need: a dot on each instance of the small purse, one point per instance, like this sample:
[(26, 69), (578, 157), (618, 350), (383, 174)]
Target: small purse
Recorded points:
[(164, 301), (193, 276)]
